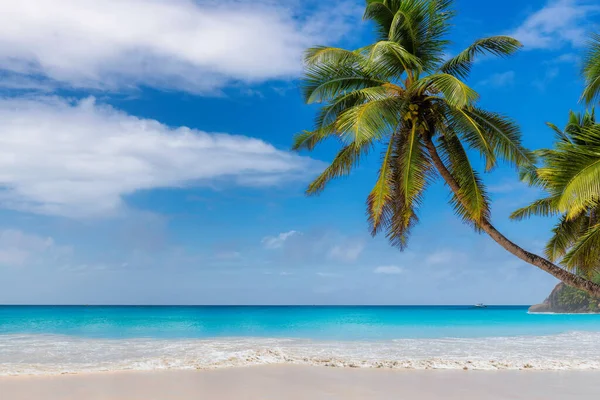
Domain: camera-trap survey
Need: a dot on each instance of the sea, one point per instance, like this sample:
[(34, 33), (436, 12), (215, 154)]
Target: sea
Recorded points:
[(50, 340)]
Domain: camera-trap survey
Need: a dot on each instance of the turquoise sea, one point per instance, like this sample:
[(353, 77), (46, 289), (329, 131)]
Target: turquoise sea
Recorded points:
[(58, 339)]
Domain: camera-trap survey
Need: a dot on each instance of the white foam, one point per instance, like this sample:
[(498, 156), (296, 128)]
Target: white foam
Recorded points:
[(45, 354)]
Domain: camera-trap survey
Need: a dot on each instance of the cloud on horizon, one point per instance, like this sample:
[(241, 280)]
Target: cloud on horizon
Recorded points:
[(79, 158), (195, 46)]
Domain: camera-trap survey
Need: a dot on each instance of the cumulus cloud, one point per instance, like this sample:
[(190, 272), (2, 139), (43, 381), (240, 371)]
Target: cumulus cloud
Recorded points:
[(198, 46), (19, 249), (77, 158), (276, 242), (389, 270), (558, 23)]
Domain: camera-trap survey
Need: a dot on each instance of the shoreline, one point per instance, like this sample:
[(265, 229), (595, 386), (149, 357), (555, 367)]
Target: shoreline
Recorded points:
[(301, 382), (52, 355)]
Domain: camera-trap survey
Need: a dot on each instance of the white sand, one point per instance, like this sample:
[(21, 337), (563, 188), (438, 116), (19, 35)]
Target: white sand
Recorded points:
[(304, 382)]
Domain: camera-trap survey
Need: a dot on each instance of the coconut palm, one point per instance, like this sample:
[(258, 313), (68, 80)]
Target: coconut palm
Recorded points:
[(401, 93), (591, 70), (565, 169)]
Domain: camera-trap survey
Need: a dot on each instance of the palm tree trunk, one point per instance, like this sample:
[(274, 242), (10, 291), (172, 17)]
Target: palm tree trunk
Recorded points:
[(533, 259)]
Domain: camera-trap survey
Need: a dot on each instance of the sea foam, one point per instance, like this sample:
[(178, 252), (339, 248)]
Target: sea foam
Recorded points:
[(54, 354)]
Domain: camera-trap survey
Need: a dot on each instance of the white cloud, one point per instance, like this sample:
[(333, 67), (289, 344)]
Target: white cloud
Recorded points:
[(558, 23), (197, 46), (276, 242), (389, 270), (80, 158), (347, 252), (500, 79), (19, 249)]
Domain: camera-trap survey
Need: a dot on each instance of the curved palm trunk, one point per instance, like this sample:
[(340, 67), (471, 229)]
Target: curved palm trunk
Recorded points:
[(533, 259)]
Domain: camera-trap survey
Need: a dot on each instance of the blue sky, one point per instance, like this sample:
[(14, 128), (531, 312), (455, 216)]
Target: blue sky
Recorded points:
[(144, 157)]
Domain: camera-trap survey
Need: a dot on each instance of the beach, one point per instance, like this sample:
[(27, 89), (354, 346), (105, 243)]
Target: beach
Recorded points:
[(265, 352), (305, 382)]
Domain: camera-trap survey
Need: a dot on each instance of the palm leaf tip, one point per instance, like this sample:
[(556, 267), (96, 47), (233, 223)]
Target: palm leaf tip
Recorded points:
[(591, 70), (461, 64), (542, 207)]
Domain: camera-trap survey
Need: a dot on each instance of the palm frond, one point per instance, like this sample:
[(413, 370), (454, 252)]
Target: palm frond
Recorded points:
[(575, 170), (390, 59), (558, 133), (329, 113), (564, 234), (585, 253), (529, 174), (379, 12), (504, 135), (331, 56), (380, 197), (544, 207), (308, 140), (346, 159), (472, 203), (323, 82), (591, 70), (369, 121), (456, 93), (472, 133), (460, 65), (411, 166)]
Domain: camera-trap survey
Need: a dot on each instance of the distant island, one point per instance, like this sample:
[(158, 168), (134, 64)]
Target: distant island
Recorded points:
[(565, 299)]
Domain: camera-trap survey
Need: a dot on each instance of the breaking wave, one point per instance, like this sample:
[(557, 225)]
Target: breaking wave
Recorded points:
[(53, 354)]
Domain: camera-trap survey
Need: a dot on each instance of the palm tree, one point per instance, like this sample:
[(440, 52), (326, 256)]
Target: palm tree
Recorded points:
[(566, 172), (591, 70), (401, 93)]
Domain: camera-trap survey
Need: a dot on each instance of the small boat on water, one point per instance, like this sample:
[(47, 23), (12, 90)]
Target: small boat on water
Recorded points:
[(480, 305)]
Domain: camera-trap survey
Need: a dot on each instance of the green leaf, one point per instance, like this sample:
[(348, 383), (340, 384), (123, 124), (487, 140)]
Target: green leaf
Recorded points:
[(378, 12), (342, 164), (381, 194), (545, 207), (456, 93), (472, 204), (331, 56), (371, 121), (591, 70), (565, 233), (460, 65), (411, 168), (324, 82), (584, 255), (504, 135), (389, 59)]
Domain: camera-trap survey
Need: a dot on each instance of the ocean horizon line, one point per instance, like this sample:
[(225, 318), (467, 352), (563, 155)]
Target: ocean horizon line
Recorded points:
[(262, 305)]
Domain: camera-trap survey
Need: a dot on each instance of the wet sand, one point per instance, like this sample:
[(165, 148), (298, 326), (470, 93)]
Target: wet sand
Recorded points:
[(291, 382)]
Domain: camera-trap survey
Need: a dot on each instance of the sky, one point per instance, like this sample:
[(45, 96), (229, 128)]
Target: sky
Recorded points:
[(144, 157)]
